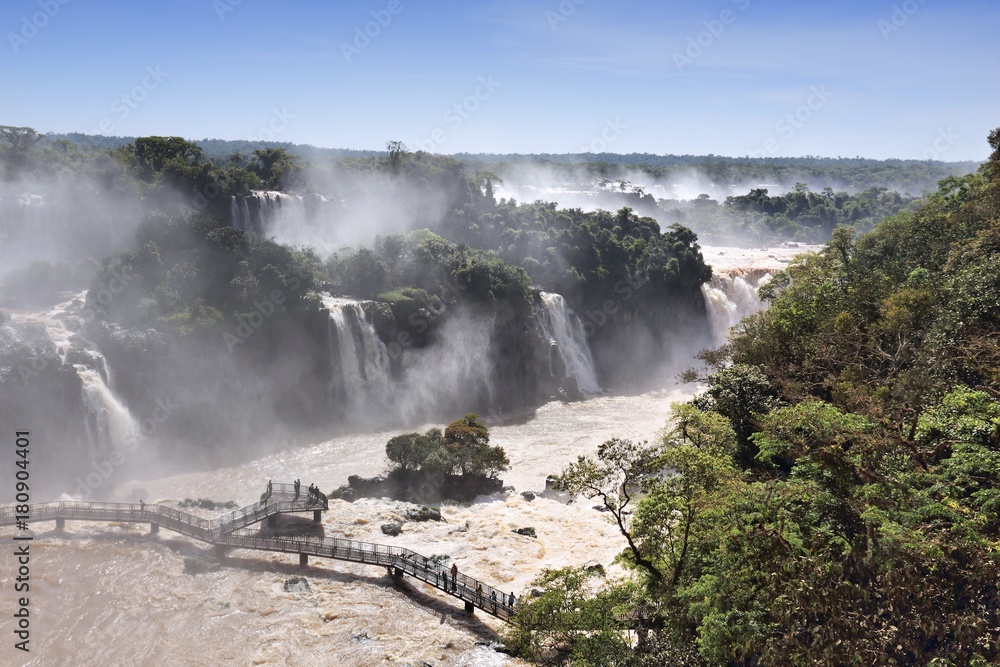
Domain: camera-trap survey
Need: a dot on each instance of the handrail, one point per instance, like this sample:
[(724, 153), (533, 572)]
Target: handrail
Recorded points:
[(230, 530)]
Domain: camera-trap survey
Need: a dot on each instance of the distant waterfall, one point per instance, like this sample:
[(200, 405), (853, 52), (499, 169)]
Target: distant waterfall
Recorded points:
[(259, 210), (563, 328), (358, 357), (731, 296)]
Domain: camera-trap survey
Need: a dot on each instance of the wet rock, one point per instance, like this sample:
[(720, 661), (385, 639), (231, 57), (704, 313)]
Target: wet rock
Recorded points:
[(601, 508), (424, 514), (527, 532), (596, 568), (201, 565), (552, 483), (391, 529), (528, 495), (345, 493), (297, 585), (570, 390)]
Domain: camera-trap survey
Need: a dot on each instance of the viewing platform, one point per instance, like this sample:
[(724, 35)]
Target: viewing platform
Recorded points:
[(232, 531)]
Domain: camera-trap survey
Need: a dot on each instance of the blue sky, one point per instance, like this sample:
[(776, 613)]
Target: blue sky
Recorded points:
[(899, 78)]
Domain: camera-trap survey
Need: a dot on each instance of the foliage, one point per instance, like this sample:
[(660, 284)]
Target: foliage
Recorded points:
[(191, 273), (462, 449), (570, 622), (832, 497)]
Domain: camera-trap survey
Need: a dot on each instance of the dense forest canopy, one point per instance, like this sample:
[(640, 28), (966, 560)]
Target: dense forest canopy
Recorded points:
[(106, 181), (833, 496)]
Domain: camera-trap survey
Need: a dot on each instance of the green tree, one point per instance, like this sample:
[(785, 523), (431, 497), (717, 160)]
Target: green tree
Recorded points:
[(574, 621), (621, 471), (467, 441), (412, 451)]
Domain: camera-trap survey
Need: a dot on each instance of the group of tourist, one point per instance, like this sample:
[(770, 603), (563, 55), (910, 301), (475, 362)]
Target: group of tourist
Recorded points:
[(443, 575)]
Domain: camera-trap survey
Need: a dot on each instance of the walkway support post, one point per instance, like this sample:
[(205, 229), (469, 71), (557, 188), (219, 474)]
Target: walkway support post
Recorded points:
[(469, 608), (154, 528), (317, 516), (303, 559), (60, 525)]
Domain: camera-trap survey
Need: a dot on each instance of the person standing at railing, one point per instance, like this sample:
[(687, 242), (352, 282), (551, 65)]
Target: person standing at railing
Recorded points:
[(444, 577), (510, 601), (493, 597), (479, 594), (454, 577)]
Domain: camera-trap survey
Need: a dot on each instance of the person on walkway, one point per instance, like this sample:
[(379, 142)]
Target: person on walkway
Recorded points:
[(510, 601), (142, 505), (493, 597), (297, 485), (454, 576), (479, 594), (444, 578)]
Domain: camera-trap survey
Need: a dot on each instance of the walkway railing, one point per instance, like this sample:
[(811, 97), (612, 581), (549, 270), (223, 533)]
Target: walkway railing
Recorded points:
[(230, 530)]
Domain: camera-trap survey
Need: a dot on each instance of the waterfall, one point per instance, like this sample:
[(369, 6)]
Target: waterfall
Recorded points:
[(563, 329), (359, 360), (235, 211), (109, 424), (264, 211), (731, 296)]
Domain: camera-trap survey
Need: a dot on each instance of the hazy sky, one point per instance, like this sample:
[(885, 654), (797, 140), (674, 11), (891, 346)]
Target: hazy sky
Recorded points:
[(903, 78)]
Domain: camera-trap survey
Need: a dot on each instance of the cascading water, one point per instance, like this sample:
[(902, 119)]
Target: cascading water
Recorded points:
[(731, 296), (259, 210), (107, 423), (360, 371), (563, 329)]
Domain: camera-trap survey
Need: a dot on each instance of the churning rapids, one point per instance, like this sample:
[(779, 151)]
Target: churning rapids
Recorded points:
[(110, 594)]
